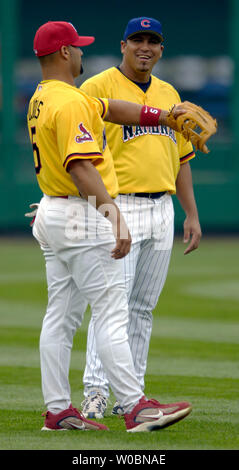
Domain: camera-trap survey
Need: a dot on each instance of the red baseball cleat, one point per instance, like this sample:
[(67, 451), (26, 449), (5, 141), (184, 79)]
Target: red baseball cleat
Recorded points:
[(150, 415), (69, 420)]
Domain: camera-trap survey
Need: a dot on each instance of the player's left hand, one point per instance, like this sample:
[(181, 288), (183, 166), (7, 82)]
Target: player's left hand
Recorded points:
[(192, 234), (34, 206), (193, 122)]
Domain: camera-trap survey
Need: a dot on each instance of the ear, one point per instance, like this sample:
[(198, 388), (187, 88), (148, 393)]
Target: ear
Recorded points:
[(162, 48), (64, 52), (123, 45)]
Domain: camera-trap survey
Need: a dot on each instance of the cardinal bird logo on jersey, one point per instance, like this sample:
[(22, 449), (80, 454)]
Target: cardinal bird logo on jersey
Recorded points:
[(85, 137)]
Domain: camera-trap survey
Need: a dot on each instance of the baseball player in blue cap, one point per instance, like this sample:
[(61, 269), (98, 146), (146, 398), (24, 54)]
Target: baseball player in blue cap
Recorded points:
[(151, 164)]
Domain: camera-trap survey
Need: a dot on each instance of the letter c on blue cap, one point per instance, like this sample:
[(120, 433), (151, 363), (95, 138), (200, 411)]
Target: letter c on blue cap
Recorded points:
[(145, 23)]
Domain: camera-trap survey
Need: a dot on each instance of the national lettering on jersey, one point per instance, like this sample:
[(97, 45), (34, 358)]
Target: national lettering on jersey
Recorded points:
[(132, 132)]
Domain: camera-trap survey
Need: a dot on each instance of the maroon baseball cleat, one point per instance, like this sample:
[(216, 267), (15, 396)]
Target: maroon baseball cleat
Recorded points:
[(150, 415), (69, 420)]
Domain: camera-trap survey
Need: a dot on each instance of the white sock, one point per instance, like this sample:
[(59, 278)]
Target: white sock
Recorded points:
[(58, 407)]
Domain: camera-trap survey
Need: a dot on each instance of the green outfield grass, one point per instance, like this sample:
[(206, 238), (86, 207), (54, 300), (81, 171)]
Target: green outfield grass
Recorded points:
[(194, 353)]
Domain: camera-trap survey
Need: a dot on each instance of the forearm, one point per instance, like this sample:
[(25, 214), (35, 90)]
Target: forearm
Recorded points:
[(185, 192), (127, 113), (89, 183), (91, 187)]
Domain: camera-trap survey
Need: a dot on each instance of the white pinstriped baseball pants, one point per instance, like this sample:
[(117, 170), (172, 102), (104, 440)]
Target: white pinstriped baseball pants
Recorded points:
[(151, 223), (80, 270)]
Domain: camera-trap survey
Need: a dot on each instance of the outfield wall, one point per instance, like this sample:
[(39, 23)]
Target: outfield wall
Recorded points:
[(215, 181)]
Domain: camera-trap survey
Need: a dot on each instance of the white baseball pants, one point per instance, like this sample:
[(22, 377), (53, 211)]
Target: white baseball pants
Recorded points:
[(77, 242), (151, 223)]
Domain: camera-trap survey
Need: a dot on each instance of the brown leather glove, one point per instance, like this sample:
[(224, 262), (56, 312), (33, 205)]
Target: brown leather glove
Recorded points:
[(196, 125)]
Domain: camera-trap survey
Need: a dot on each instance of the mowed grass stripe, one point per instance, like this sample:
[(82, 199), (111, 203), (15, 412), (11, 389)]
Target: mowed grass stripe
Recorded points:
[(158, 364), (188, 346), (157, 383), (27, 314), (162, 365), (204, 330), (22, 277)]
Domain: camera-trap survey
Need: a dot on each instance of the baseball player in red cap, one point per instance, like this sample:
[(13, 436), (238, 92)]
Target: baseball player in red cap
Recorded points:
[(82, 233)]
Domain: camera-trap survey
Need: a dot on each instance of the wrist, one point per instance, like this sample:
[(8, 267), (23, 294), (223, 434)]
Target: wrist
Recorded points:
[(163, 118), (149, 116), (192, 215)]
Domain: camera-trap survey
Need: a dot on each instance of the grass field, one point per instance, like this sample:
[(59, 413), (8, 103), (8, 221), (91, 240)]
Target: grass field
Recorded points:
[(194, 353)]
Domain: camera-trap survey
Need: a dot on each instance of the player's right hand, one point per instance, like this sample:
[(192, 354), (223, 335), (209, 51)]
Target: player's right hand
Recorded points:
[(122, 248), (123, 238)]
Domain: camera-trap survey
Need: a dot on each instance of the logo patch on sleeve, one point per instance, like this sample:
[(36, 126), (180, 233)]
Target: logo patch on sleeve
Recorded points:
[(85, 135)]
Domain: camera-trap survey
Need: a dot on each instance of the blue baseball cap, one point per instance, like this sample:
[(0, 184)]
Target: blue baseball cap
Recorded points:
[(143, 25)]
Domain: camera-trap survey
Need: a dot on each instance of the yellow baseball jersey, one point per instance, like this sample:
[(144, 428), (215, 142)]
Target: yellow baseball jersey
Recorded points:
[(146, 159), (65, 124)]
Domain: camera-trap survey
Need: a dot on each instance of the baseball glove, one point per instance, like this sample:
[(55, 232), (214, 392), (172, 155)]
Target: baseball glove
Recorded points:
[(196, 125)]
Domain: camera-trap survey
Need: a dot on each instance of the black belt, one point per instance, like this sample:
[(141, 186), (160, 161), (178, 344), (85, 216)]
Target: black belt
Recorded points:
[(147, 195)]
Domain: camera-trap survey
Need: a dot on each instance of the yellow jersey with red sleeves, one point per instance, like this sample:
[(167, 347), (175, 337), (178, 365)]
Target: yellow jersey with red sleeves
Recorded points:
[(65, 124), (146, 159)]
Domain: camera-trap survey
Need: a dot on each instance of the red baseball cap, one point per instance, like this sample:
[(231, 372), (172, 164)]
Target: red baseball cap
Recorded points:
[(51, 36)]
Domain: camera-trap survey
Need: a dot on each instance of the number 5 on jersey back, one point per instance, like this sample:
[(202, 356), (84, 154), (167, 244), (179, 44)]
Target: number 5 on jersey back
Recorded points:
[(36, 152)]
